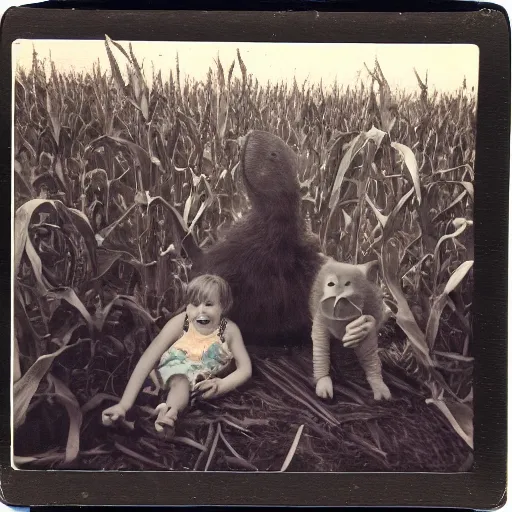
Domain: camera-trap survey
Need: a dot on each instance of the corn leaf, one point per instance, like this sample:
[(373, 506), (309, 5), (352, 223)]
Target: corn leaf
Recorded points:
[(24, 389), (69, 295), (404, 316), (293, 449), (16, 369), (222, 113), (355, 146), (442, 300), (73, 220), (23, 244), (45, 458), (68, 400), (53, 112), (458, 276), (460, 417), (116, 73), (411, 164)]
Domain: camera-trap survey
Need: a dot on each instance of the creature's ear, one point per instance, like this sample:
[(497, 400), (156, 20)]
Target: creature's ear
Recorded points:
[(370, 270)]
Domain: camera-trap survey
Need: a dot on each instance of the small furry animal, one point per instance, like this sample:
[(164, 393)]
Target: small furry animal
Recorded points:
[(341, 293)]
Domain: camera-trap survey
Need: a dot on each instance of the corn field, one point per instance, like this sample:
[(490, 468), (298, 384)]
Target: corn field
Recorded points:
[(112, 180)]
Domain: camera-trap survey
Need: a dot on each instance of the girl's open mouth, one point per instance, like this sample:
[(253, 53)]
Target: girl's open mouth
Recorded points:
[(203, 320)]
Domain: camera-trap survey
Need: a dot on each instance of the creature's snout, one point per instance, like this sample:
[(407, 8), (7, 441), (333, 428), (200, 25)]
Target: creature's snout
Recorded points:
[(341, 306), (241, 140)]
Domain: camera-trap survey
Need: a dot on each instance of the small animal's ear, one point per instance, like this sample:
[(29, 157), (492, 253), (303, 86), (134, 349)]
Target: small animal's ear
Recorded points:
[(370, 270), (324, 259)]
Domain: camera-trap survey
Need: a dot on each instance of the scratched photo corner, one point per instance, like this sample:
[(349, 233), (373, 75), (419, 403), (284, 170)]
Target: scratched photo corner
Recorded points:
[(242, 256)]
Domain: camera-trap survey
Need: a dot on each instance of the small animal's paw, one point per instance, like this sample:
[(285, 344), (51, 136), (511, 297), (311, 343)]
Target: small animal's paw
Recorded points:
[(381, 391), (324, 387)]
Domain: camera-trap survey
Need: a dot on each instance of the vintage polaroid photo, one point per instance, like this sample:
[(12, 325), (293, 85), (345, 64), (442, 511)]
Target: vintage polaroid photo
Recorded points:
[(257, 253), (243, 256)]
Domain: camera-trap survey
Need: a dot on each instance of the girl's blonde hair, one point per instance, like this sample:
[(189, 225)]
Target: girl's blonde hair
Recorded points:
[(202, 287)]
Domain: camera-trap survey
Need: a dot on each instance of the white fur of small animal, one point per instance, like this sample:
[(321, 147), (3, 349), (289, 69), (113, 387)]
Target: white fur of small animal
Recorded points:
[(342, 293)]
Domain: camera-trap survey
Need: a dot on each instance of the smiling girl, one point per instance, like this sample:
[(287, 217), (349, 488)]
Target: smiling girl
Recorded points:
[(190, 352)]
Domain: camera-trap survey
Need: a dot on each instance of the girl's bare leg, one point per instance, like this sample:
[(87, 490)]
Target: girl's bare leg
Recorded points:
[(177, 400)]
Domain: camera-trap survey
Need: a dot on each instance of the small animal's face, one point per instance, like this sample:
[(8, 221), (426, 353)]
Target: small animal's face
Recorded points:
[(342, 297), (344, 288), (269, 168)]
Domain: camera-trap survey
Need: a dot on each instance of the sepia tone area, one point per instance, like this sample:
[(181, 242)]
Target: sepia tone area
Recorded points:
[(118, 170)]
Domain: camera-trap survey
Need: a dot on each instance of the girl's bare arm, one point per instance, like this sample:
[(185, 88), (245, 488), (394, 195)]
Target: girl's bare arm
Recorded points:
[(243, 370), (167, 336)]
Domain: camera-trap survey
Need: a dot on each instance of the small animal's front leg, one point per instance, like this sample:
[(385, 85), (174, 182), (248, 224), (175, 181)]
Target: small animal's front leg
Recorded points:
[(368, 356), (321, 359)]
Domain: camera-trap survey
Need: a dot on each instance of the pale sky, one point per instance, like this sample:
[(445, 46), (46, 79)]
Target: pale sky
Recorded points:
[(447, 64)]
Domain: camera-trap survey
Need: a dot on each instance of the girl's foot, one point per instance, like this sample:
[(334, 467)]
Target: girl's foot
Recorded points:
[(165, 420)]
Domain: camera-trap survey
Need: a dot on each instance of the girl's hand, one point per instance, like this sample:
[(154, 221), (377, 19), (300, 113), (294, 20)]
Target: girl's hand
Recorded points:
[(149, 391), (209, 388), (358, 330), (113, 414)]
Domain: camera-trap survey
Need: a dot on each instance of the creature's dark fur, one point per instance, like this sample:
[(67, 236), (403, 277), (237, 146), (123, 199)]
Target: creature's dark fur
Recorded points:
[(268, 258)]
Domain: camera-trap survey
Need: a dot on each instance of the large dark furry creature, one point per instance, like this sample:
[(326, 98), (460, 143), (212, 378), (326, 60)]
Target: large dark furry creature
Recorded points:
[(268, 257)]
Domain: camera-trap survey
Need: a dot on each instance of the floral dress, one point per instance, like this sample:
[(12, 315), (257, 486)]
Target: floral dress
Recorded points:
[(195, 355)]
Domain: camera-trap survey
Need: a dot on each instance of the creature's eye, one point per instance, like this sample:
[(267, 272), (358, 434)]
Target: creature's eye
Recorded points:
[(273, 154), (347, 283), (330, 283)]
